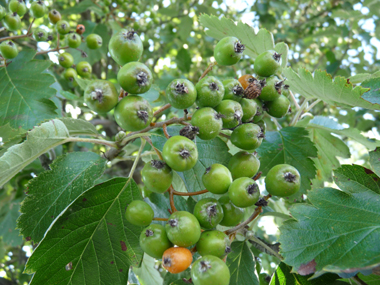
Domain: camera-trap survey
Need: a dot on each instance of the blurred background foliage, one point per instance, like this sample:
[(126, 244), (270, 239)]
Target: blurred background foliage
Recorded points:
[(339, 36)]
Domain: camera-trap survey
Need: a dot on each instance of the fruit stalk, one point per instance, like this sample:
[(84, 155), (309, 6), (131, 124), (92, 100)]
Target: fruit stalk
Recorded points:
[(171, 199), (189, 193)]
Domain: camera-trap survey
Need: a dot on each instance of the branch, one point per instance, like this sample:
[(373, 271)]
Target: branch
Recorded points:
[(358, 280), (171, 199), (28, 34), (189, 193), (165, 131), (312, 105), (51, 50), (137, 159), (163, 108), (160, 219)]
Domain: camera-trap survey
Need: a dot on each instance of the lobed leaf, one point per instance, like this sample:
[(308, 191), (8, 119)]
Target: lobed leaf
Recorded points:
[(291, 145), (90, 242), (336, 226), (336, 92), (25, 91), (52, 191)]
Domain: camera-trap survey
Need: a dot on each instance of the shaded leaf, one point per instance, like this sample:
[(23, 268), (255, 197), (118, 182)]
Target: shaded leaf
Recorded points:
[(321, 85), (52, 191), (335, 227), (177, 279), (90, 242), (185, 27), (25, 92), (284, 147), (284, 276), (183, 60), (8, 225), (254, 43), (241, 263), (374, 160)]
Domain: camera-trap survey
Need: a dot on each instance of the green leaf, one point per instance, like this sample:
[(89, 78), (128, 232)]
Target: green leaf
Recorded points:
[(10, 136), (328, 124), (147, 273), (292, 146), (284, 276), (81, 7), (82, 82), (335, 227), (25, 91), (352, 177), (183, 60), (52, 191), (90, 242), (373, 95), (93, 55), (70, 96), (374, 160), (321, 86), (241, 263), (358, 78), (8, 225), (177, 279), (78, 127), (38, 141), (193, 177), (254, 43), (185, 27)]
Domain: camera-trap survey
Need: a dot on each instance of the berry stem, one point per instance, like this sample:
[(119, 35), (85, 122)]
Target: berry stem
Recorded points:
[(299, 112), (189, 193), (312, 105), (163, 108), (137, 158), (171, 199), (52, 50), (160, 219), (266, 247), (255, 214), (208, 69), (155, 149), (165, 129)]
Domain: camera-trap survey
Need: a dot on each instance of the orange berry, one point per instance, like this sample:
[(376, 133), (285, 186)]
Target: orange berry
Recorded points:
[(80, 29), (177, 259), (245, 80)]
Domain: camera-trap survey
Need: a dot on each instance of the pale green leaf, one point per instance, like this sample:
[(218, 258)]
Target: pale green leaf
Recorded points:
[(70, 96), (241, 263), (358, 78), (283, 49), (292, 146), (78, 127), (336, 226), (185, 27), (25, 91), (374, 160), (255, 43), (147, 273), (82, 82), (321, 86), (52, 191), (91, 242)]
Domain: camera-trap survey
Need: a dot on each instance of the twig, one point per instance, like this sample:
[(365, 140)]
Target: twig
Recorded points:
[(254, 215), (208, 69), (171, 199), (224, 135), (163, 108), (137, 158), (312, 105), (189, 193), (52, 50), (358, 280), (28, 34), (299, 112), (264, 247), (165, 131)]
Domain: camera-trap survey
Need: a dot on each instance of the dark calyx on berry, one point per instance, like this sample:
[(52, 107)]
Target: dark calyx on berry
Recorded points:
[(39, 2), (54, 12), (262, 202), (184, 153), (213, 86), (142, 78), (290, 177), (260, 135), (278, 86), (211, 210), (14, 14), (129, 35), (40, 34), (239, 47), (189, 132), (208, 169), (181, 88), (63, 26), (10, 43), (149, 233), (205, 265), (173, 222), (227, 250), (50, 37), (286, 86), (237, 116), (158, 164), (97, 94), (251, 189), (167, 262), (238, 90), (143, 115), (277, 56)]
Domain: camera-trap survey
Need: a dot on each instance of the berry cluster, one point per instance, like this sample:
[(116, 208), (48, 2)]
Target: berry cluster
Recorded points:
[(236, 105)]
